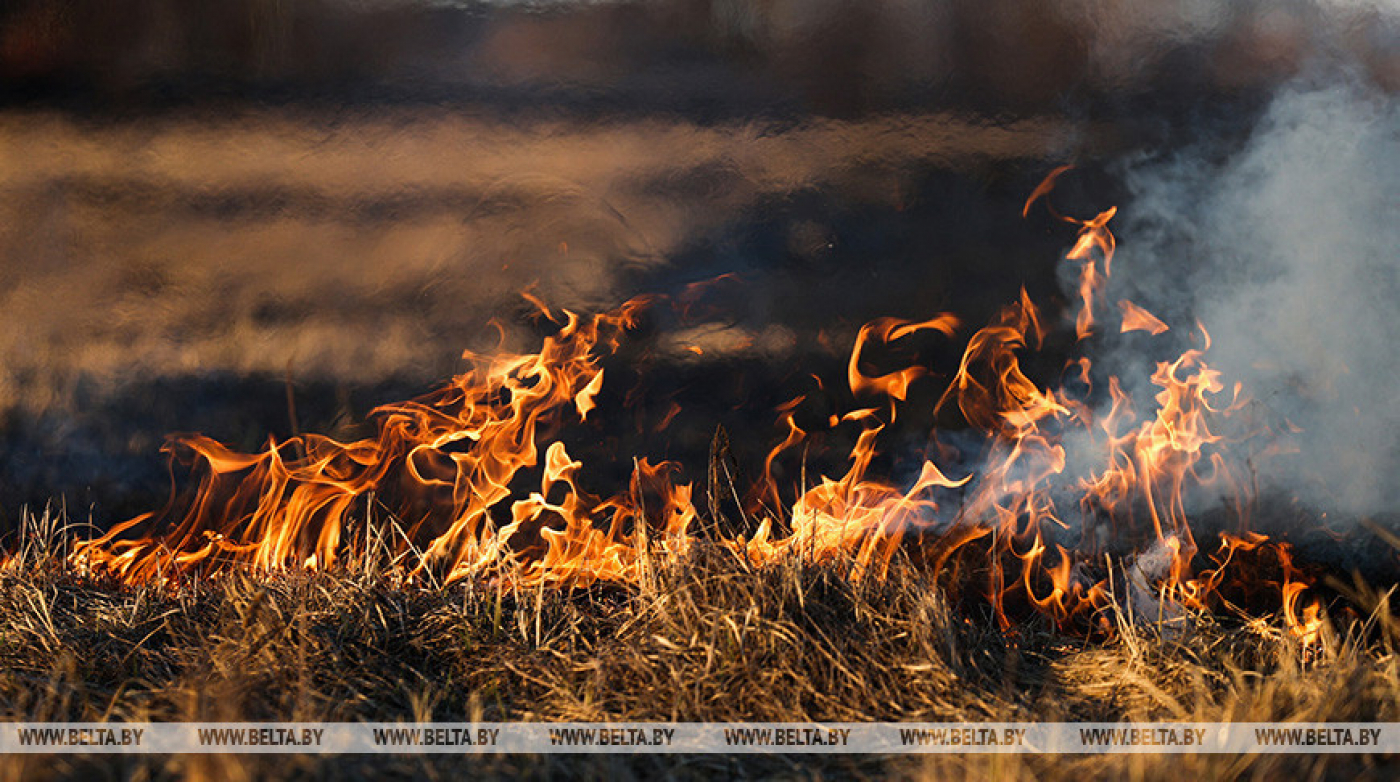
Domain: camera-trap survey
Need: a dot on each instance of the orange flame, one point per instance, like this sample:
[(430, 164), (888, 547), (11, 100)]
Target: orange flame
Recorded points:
[(1136, 318), (894, 384), (446, 469)]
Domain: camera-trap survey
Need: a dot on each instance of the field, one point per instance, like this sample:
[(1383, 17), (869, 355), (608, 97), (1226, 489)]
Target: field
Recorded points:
[(705, 639), (274, 272)]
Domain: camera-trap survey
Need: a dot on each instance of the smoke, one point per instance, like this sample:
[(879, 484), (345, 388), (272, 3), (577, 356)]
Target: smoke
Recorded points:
[(1285, 249)]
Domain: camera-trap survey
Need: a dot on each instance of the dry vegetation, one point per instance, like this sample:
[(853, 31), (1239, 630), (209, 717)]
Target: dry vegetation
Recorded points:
[(704, 639)]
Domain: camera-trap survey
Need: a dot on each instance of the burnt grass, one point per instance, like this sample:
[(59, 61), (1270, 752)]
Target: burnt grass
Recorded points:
[(707, 638)]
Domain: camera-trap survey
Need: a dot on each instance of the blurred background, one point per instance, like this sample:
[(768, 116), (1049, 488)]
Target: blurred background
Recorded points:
[(255, 217)]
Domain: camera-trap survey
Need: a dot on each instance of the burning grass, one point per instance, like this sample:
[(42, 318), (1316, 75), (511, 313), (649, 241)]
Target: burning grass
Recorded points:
[(1061, 481), (418, 573), (707, 637)]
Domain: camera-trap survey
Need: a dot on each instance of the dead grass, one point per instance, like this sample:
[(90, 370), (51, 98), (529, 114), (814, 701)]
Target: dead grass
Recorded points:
[(705, 639)]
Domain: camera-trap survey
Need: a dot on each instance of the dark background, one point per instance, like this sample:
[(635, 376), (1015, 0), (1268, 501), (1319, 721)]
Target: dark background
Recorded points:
[(203, 206), (704, 59)]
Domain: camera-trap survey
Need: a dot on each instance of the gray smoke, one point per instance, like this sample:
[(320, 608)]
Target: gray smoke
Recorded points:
[(1287, 249)]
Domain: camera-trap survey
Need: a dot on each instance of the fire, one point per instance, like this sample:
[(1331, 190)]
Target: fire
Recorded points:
[(1136, 318), (1069, 479), (439, 464)]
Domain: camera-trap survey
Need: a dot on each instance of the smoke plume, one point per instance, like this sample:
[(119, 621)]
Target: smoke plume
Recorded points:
[(1285, 249)]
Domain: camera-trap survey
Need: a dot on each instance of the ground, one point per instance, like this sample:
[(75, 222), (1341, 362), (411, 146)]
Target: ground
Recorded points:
[(707, 639)]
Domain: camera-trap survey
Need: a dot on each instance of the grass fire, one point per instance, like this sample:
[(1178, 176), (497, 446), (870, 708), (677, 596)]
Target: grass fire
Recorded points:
[(854, 597), (434, 485), (697, 389)]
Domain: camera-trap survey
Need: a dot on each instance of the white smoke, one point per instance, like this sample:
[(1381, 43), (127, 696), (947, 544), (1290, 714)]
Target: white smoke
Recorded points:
[(1287, 249)]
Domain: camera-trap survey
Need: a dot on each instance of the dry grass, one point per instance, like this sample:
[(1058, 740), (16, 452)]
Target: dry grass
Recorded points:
[(705, 639)]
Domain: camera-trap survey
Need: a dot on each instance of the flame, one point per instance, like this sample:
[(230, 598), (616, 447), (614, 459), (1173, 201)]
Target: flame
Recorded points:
[(449, 472), (440, 465), (1094, 240), (1136, 318), (894, 384), (1305, 625)]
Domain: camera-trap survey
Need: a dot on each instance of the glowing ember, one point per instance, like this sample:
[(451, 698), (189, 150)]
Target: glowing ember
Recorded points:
[(1033, 529)]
